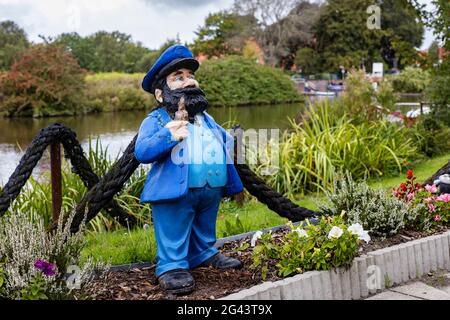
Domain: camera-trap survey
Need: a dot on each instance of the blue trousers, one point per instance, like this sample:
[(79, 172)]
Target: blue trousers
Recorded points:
[(185, 229)]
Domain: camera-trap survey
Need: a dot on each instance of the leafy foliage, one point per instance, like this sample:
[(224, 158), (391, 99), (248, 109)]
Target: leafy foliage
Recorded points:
[(411, 80), (310, 154), (46, 80), (311, 248), (375, 210), (236, 81), (104, 51), (13, 40)]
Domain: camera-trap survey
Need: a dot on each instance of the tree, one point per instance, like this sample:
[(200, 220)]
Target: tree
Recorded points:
[(13, 40), (104, 51), (223, 33), (298, 32), (268, 13), (307, 60), (402, 32), (343, 37)]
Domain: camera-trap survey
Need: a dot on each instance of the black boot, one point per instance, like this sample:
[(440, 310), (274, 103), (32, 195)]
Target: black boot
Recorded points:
[(177, 281), (220, 261)]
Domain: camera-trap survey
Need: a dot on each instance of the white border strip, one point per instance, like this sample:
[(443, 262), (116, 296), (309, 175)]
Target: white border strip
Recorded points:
[(367, 275)]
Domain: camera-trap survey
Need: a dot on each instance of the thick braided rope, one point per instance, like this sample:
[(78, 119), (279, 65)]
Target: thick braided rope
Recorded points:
[(274, 200), (102, 193), (73, 151)]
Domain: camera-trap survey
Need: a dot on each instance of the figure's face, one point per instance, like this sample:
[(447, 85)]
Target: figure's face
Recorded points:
[(182, 78), (179, 79), (182, 83)]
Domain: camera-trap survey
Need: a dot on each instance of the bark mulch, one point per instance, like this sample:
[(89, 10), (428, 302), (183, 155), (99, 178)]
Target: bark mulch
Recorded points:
[(141, 283)]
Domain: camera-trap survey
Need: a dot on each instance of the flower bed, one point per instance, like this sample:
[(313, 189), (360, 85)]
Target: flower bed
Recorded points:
[(140, 283)]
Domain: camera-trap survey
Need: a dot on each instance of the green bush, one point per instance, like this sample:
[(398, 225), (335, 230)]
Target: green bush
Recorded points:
[(431, 136), (411, 80), (378, 212), (234, 81), (116, 92), (46, 80)]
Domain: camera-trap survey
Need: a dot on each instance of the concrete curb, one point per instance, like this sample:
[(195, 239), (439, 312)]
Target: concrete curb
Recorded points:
[(368, 274)]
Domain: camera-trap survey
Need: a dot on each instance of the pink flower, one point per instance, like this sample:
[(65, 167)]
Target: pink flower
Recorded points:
[(431, 188), (445, 197), (410, 196), (437, 218), (431, 207), (429, 199)]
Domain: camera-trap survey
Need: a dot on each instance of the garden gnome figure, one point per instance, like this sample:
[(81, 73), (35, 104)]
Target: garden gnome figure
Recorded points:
[(191, 171)]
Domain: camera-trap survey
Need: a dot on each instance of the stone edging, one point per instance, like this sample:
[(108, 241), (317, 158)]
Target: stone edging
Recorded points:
[(367, 275)]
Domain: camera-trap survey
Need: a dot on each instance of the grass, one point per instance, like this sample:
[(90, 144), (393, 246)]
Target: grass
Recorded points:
[(138, 245)]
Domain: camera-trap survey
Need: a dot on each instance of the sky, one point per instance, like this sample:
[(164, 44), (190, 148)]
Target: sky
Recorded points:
[(151, 22)]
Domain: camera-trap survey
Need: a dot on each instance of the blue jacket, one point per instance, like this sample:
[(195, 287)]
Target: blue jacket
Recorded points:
[(168, 181)]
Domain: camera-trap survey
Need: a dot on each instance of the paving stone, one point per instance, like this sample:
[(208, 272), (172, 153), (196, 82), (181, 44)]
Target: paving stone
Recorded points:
[(422, 291), (391, 295)]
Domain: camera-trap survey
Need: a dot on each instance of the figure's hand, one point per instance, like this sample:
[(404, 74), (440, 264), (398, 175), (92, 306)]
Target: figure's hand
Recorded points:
[(178, 129), (181, 114)]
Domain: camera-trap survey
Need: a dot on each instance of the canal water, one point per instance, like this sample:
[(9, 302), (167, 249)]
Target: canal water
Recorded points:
[(116, 130)]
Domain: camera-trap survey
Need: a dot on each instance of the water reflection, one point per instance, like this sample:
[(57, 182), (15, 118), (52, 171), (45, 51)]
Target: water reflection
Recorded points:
[(116, 130)]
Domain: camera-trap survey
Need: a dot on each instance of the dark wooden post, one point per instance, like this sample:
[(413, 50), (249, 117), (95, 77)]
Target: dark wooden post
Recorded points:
[(55, 167)]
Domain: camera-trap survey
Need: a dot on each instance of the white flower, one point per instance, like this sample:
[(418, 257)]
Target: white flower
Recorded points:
[(364, 236), (335, 232), (255, 237), (301, 232), (358, 230)]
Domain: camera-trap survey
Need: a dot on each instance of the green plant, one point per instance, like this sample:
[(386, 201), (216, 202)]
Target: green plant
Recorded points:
[(35, 261), (310, 154), (35, 290), (378, 212), (431, 136), (411, 80), (328, 244)]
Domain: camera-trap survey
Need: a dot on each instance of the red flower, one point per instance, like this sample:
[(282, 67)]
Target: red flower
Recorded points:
[(409, 174), (403, 187)]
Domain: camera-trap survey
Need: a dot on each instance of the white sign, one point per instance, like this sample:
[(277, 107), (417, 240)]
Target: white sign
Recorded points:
[(377, 69)]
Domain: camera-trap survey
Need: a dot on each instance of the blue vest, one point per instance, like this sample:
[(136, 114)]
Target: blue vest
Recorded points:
[(206, 158)]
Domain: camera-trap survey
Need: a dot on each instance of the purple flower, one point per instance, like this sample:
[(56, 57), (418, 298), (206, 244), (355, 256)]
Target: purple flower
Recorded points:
[(46, 267)]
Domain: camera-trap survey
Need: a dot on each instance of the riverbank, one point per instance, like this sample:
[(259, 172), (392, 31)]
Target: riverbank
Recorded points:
[(227, 82)]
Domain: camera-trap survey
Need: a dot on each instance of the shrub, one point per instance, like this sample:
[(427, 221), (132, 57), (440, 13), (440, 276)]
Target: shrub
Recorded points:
[(431, 136), (328, 244), (33, 262), (116, 92), (234, 81), (45, 81), (374, 209), (411, 80), (311, 153)]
